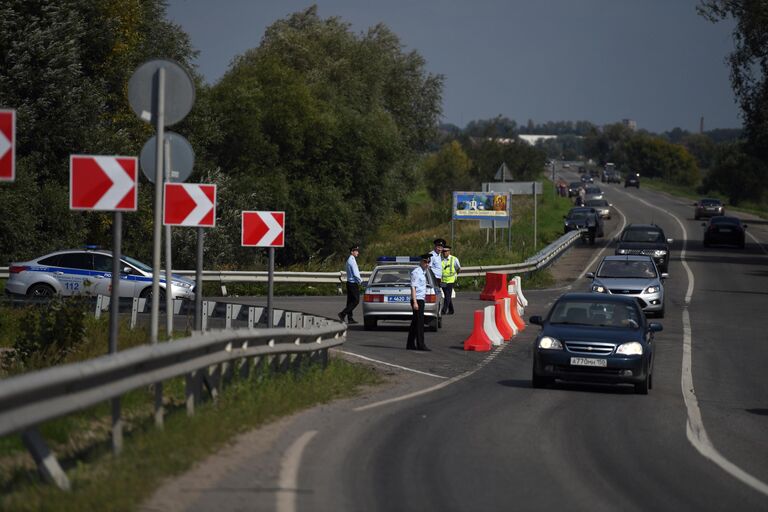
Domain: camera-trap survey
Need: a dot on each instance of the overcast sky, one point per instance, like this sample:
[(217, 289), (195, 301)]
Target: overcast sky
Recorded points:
[(654, 61)]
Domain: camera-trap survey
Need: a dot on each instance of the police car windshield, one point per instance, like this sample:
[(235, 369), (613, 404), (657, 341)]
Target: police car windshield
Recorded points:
[(136, 263)]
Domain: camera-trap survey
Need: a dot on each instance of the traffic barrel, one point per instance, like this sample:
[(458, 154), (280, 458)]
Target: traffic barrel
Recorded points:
[(478, 340), (489, 326), (495, 286), (501, 320)]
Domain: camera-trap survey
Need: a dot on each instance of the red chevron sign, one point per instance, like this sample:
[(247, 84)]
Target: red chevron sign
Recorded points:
[(190, 204), (7, 145), (263, 229), (103, 182)]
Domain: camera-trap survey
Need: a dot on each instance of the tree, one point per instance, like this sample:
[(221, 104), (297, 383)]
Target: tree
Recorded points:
[(447, 171), (737, 174)]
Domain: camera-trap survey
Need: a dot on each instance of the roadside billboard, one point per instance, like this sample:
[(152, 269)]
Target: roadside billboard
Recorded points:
[(480, 205)]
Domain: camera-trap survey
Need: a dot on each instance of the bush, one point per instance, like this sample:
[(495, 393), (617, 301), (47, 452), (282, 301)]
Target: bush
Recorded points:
[(49, 332)]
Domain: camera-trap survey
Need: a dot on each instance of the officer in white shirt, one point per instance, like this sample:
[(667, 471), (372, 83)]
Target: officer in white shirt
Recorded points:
[(418, 295), (436, 261), (353, 285)]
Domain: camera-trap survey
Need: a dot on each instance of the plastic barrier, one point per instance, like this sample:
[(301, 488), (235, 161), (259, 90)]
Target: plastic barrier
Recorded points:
[(516, 316), (489, 326), (495, 287), (501, 320), (508, 305), (516, 287), (478, 340)]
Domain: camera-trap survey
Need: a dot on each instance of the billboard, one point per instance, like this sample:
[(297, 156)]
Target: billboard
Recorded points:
[(480, 205)]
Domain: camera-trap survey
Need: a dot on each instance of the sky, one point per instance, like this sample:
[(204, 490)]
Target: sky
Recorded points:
[(654, 61)]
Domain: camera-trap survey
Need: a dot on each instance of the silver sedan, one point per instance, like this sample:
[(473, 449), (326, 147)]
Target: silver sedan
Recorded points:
[(602, 206), (388, 296), (633, 276)]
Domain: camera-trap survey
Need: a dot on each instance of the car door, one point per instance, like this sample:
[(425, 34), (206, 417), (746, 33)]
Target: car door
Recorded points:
[(75, 273), (102, 264)]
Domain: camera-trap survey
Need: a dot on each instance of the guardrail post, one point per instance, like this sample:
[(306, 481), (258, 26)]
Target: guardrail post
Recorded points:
[(46, 461), (134, 311), (212, 381), (192, 391), (244, 367)]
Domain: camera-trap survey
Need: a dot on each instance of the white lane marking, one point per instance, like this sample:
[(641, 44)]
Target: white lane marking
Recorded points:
[(757, 242), (392, 365), (600, 253), (288, 485), (443, 384), (695, 431)]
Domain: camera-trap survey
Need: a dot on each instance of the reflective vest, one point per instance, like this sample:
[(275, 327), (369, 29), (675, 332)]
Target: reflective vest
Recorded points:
[(449, 269)]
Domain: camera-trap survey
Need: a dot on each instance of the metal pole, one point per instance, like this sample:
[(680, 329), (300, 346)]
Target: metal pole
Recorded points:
[(199, 281), (270, 286), (168, 265), (535, 215), (509, 222), (114, 323), (160, 128), (453, 237)]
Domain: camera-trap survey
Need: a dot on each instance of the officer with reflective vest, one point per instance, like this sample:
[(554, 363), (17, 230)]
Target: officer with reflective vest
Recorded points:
[(451, 267)]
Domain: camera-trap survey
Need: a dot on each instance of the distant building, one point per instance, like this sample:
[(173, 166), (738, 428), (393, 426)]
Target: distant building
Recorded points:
[(630, 123), (533, 139)]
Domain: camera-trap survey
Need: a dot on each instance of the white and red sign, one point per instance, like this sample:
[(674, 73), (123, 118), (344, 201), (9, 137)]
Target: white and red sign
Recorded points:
[(7, 145), (190, 204), (103, 182), (263, 229)]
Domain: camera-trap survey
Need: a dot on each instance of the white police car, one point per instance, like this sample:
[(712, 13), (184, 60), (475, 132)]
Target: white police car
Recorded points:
[(388, 293), (88, 272)]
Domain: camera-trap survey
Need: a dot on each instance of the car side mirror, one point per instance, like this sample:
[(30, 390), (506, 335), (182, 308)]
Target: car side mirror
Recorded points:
[(364, 284), (745, 226), (655, 327), (127, 270), (589, 275), (695, 204), (536, 319), (664, 275)]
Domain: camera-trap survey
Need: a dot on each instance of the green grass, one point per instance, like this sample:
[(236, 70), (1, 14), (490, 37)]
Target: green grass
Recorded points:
[(101, 481)]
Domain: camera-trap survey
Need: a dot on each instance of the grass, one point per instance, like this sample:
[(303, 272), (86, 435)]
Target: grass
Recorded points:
[(150, 455)]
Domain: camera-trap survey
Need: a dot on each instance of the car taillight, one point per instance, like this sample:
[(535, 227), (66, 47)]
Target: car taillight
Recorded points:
[(430, 299), (369, 297), (16, 269)]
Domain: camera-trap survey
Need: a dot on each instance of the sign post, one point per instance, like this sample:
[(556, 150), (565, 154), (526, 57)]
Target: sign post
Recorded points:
[(265, 229), (107, 183), (7, 145)]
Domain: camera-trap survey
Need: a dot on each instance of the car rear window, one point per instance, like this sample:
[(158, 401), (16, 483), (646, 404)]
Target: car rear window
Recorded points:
[(392, 276), (725, 220), (51, 261)]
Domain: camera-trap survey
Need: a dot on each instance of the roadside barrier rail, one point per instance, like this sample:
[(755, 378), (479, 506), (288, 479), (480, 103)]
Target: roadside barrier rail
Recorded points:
[(207, 360), (540, 260)]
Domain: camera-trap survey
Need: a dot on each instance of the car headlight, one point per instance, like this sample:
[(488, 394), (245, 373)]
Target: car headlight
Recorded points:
[(548, 343), (599, 288), (181, 284), (623, 251), (652, 289), (633, 348), (658, 253)]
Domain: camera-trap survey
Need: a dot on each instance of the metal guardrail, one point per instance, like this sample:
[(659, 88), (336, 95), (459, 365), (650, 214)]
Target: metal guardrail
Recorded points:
[(207, 360), (538, 261)]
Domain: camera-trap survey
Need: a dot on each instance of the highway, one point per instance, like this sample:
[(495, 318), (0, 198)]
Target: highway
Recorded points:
[(464, 431)]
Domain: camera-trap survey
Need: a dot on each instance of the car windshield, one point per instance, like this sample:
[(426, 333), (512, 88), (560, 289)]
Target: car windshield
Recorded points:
[(709, 202), (597, 202), (595, 313), (577, 216), (392, 277), (136, 263), (632, 269), (642, 235), (593, 190)]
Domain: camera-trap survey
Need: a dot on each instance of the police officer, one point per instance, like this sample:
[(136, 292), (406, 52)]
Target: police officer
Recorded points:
[(353, 285), (418, 294), (451, 267), (436, 261)]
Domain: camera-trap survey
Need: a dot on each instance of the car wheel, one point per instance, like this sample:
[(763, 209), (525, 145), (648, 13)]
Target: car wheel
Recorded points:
[(742, 244), (641, 388), (706, 243), (369, 324), (440, 321), (146, 293), (433, 325), (40, 291)]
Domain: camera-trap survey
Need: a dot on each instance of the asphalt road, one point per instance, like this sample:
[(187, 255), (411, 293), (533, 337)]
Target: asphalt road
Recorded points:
[(461, 431)]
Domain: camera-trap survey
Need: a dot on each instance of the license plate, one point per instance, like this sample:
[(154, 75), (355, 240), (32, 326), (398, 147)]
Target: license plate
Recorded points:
[(398, 298), (725, 230), (588, 361)]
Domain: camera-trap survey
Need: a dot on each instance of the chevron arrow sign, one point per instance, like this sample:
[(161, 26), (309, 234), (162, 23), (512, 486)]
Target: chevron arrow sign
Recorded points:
[(190, 204), (103, 183), (263, 229)]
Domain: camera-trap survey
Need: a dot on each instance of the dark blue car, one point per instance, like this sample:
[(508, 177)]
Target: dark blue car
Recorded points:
[(594, 338)]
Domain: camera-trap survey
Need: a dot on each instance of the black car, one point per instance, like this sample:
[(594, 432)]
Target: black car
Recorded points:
[(587, 219), (632, 180), (725, 230), (708, 207), (573, 188), (646, 239), (594, 338)]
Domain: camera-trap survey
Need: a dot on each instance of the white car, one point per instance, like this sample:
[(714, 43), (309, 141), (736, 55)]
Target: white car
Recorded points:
[(88, 272)]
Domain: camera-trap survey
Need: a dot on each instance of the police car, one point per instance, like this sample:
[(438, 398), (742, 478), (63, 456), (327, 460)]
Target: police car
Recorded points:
[(388, 293), (88, 272)]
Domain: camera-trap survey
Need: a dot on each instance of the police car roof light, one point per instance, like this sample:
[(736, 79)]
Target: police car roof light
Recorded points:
[(398, 259), (91, 247)]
